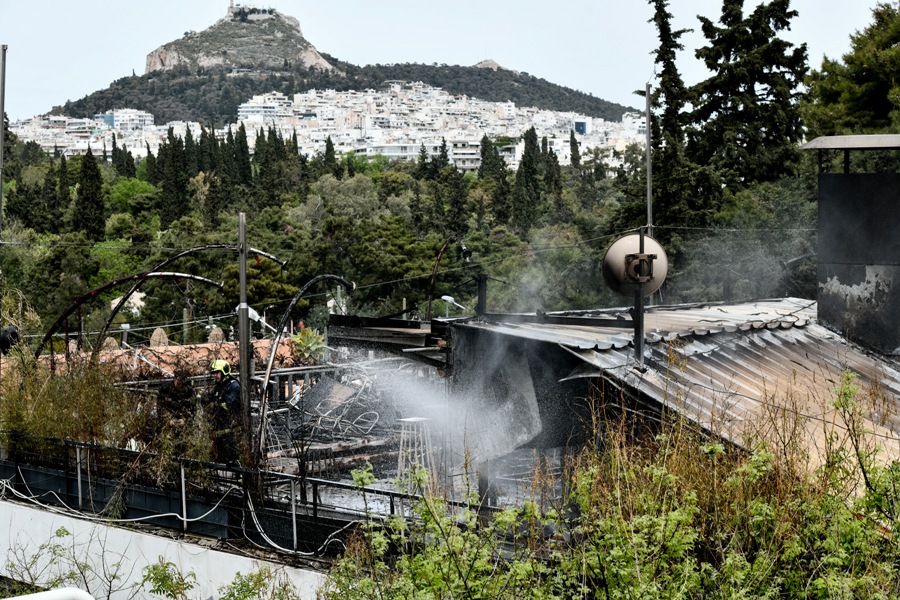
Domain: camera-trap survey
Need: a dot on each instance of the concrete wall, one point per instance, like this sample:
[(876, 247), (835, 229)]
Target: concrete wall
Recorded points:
[(26, 529)]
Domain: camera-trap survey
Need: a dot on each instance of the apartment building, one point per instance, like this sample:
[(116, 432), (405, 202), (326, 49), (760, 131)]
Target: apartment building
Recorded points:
[(395, 121)]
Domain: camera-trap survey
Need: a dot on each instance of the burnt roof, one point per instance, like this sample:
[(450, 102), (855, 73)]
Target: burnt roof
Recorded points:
[(736, 370), (884, 141)]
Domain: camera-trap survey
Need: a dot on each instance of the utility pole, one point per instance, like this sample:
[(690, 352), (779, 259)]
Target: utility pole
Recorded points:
[(2, 123), (244, 343)]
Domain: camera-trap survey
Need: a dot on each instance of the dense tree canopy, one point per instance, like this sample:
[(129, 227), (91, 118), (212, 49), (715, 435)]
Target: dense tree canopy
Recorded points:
[(860, 93), (724, 157)]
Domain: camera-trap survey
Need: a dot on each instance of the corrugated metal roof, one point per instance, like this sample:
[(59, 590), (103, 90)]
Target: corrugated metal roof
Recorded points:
[(854, 142), (739, 370)]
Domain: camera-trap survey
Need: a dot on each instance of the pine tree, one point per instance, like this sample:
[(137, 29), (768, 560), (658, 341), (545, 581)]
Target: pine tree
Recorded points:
[(858, 93), (746, 123), (90, 210)]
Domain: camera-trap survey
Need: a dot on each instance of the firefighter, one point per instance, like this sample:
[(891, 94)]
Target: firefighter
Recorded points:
[(225, 405)]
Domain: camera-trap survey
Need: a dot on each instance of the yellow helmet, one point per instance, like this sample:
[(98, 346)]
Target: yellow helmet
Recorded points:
[(221, 365)]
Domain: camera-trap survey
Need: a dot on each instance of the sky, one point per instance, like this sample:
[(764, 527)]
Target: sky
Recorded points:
[(59, 50)]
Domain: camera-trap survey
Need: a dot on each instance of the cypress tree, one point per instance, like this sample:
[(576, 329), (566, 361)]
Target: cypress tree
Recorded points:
[(416, 210), (173, 203), (457, 195), (115, 155), (191, 155), (553, 188), (242, 156), (423, 169), (20, 202), (501, 203), (227, 166), (526, 190), (63, 195), (574, 152), (266, 180), (128, 167), (276, 145), (152, 171), (208, 150), (217, 202), (442, 160), (90, 211), (491, 164), (44, 221), (330, 162)]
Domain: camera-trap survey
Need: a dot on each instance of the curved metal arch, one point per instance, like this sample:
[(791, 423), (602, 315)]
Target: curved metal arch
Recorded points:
[(264, 404), (165, 263), (94, 292)]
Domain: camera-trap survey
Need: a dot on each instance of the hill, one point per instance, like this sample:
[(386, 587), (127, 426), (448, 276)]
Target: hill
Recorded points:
[(245, 39), (205, 76)]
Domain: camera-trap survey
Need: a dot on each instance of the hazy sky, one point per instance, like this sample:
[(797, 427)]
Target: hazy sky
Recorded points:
[(61, 50)]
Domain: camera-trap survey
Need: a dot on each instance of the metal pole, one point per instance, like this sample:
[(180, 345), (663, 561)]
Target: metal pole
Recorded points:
[(450, 240), (2, 123), (481, 307), (639, 312), (649, 171), (184, 516), (294, 510), (244, 341), (78, 472)]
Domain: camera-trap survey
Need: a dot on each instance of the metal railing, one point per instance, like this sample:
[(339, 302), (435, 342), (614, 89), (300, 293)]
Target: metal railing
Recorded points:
[(283, 511)]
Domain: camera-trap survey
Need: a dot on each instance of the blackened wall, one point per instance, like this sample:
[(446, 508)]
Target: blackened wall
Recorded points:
[(859, 258), (508, 392)]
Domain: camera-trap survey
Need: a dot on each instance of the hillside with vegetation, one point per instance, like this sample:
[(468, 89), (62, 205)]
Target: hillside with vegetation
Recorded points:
[(211, 95), (205, 75)]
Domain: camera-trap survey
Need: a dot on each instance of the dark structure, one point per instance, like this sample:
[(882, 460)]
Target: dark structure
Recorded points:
[(859, 249)]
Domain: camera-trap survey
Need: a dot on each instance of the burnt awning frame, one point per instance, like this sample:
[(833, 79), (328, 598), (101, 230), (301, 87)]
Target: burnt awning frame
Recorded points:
[(846, 143)]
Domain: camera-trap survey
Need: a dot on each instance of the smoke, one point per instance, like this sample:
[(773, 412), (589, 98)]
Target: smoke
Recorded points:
[(485, 411)]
